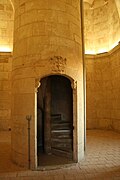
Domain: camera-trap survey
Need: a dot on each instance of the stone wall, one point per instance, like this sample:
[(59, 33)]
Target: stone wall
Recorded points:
[(47, 41), (102, 26), (114, 23), (115, 85), (103, 90), (6, 26), (5, 90)]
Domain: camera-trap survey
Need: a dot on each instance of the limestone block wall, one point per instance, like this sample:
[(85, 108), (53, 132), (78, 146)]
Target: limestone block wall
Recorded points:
[(118, 6), (102, 26), (6, 26), (103, 90), (114, 23), (5, 90), (115, 78), (47, 41), (88, 28)]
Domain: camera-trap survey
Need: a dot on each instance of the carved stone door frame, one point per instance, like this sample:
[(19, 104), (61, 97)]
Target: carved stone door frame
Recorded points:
[(75, 128)]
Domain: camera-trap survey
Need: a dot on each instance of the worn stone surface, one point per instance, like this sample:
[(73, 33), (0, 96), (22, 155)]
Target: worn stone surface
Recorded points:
[(102, 26), (6, 26), (5, 90), (103, 90), (102, 160), (47, 41)]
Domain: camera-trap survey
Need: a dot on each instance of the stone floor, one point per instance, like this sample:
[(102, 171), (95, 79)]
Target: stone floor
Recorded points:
[(102, 160)]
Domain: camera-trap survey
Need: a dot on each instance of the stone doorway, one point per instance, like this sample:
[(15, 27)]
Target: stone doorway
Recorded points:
[(55, 121)]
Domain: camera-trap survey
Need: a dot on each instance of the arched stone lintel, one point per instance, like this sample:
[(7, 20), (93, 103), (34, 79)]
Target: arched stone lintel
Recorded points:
[(73, 82)]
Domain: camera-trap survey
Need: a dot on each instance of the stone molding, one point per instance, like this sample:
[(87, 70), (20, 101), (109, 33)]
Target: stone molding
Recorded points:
[(37, 84), (74, 85)]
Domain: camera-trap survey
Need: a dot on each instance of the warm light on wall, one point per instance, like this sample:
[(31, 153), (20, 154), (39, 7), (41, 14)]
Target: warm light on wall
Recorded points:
[(96, 52), (99, 51), (90, 52), (102, 51), (5, 49), (114, 45)]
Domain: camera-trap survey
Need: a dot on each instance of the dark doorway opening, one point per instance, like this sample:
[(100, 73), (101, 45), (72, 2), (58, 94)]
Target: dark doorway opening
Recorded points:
[(54, 121)]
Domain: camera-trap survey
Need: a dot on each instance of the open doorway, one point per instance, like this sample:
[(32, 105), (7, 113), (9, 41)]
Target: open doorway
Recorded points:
[(55, 121)]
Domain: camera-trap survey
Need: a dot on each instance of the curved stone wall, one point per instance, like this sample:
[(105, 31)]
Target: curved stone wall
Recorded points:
[(102, 26), (5, 91), (47, 41), (6, 26), (103, 90)]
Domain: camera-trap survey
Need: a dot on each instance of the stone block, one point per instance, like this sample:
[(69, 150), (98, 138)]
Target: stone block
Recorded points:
[(24, 86), (116, 124), (4, 76), (52, 36)]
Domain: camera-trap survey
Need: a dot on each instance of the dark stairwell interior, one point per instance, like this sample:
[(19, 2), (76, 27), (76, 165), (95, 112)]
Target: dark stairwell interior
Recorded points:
[(55, 121)]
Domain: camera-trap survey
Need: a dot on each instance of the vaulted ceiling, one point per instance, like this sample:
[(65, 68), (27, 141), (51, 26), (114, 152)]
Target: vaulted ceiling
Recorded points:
[(91, 2), (102, 25)]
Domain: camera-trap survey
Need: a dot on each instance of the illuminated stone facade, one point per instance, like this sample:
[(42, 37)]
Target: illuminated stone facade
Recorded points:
[(48, 41), (102, 26), (6, 26)]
